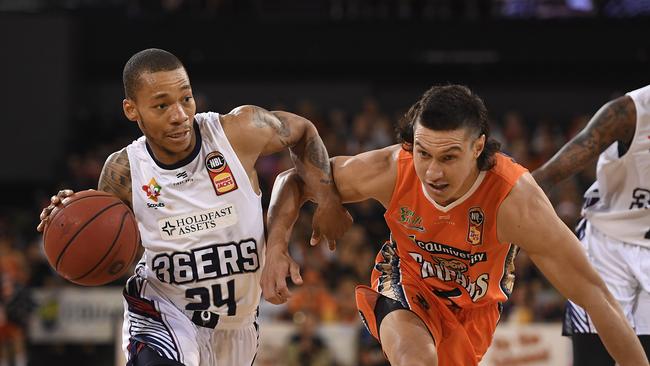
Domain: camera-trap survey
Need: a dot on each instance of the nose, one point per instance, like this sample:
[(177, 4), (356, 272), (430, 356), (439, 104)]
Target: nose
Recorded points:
[(178, 114), (434, 171)]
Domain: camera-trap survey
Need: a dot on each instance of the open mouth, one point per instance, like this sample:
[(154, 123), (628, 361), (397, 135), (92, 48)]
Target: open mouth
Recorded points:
[(179, 135), (438, 187)]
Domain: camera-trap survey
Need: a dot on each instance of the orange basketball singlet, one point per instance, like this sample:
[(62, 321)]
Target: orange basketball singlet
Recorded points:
[(446, 264)]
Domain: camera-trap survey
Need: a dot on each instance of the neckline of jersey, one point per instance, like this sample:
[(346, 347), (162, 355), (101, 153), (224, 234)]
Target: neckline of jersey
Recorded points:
[(460, 200), (188, 159)]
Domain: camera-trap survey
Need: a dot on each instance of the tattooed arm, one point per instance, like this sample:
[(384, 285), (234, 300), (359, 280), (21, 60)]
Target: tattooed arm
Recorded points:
[(116, 177), (255, 132), (615, 121)]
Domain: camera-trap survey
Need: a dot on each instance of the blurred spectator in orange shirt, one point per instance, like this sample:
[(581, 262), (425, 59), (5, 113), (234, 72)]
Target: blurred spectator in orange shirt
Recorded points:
[(313, 297)]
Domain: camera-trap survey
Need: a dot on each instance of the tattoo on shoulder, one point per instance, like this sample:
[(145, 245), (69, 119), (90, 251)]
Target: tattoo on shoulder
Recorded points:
[(263, 118), (317, 155), (624, 112), (116, 176)]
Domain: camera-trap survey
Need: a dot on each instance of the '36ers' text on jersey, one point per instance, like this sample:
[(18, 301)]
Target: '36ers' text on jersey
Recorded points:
[(454, 249), (201, 224), (618, 203)]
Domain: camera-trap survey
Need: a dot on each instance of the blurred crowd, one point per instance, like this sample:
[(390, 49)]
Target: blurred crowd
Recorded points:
[(327, 296)]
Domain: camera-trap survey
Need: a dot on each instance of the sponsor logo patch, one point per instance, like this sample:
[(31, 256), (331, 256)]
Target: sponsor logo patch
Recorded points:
[(152, 190), (410, 219), (223, 180), (475, 219), (181, 226), (439, 248)]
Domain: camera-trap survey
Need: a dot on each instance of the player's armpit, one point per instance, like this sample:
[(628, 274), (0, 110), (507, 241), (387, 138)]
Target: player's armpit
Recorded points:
[(615, 121), (116, 176), (527, 218)]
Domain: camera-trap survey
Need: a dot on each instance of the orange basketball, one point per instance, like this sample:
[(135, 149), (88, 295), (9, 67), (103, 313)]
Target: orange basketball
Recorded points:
[(92, 239)]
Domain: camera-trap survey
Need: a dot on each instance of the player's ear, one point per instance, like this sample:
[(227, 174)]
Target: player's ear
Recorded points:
[(130, 111), (479, 145)]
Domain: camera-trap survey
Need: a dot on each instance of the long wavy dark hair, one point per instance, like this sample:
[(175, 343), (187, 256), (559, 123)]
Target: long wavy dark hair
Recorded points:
[(450, 107)]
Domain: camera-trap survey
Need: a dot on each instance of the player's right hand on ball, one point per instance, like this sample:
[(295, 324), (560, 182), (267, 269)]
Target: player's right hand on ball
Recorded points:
[(279, 265), (54, 201)]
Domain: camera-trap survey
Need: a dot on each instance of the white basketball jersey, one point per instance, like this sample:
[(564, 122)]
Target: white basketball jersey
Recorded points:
[(620, 197), (201, 225)]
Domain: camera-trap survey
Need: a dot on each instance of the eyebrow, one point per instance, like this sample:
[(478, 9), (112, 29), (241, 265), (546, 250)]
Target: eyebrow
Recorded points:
[(452, 149), (163, 95)]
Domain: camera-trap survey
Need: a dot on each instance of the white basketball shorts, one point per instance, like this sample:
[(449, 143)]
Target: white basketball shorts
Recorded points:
[(152, 320), (625, 268)]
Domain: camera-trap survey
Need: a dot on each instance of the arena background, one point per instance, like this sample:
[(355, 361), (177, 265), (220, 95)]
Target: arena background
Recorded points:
[(353, 67)]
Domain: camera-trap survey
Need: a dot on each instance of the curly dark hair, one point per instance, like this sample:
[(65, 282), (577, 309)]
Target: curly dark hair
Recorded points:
[(450, 107)]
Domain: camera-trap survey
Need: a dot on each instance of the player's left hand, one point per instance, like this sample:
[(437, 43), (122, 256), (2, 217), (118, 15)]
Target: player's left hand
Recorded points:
[(331, 220), (279, 265), (55, 201)]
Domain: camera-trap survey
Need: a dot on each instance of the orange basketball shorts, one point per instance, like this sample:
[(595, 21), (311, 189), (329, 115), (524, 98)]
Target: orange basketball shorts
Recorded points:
[(462, 336)]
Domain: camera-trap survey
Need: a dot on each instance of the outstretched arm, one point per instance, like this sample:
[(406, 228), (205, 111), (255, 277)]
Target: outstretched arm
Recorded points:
[(527, 218), (357, 178), (615, 121)]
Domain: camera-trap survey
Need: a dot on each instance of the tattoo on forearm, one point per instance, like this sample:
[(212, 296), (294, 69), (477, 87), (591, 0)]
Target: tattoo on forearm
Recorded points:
[(317, 156), (116, 176), (615, 122)]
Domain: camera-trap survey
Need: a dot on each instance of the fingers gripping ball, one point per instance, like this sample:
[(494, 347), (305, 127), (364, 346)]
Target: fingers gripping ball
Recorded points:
[(91, 239)]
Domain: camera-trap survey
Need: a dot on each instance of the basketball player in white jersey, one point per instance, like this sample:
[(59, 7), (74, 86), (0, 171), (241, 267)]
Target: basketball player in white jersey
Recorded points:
[(192, 185), (615, 229)]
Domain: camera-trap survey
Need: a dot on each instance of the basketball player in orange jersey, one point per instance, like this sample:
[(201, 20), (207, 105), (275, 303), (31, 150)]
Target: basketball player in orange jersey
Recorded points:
[(193, 188), (456, 207)]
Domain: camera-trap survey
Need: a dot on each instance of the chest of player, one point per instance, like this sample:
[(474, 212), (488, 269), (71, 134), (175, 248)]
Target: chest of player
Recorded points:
[(466, 227), (456, 252), (207, 198), (462, 239)]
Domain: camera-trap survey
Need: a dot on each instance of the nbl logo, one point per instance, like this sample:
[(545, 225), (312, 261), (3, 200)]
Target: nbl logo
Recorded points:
[(475, 218), (215, 162), (223, 179)]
